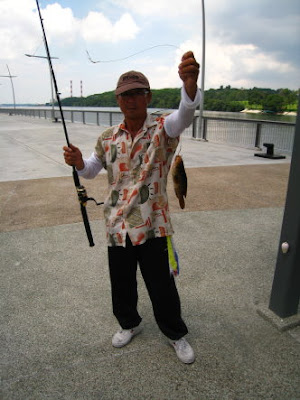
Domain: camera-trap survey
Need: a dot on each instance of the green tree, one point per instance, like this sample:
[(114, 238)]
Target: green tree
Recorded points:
[(273, 103), (222, 99)]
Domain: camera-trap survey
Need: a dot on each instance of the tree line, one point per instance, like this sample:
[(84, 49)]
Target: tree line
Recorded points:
[(221, 99)]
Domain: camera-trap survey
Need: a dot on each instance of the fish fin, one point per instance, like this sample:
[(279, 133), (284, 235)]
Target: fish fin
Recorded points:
[(182, 202)]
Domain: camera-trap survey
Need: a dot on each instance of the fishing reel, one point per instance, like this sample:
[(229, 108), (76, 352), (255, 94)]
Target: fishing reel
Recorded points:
[(83, 197)]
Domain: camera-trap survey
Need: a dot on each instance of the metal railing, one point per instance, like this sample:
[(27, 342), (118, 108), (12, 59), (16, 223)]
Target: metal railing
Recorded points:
[(249, 133), (104, 118)]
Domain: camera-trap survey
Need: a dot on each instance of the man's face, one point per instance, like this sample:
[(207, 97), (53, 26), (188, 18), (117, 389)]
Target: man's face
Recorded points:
[(133, 103)]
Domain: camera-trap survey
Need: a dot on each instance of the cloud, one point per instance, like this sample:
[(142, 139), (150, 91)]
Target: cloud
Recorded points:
[(20, 30), (165, 8), (60, 23), (272, 26), (98, 28), (242, 65), (125, 28), (238, 65), (253, 44), (242, 41), (18, 27), (164, 74), (94, 28), (20, 34)]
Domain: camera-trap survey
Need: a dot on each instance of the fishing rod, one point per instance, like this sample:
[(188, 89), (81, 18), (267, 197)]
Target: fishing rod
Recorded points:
[(81, 191)]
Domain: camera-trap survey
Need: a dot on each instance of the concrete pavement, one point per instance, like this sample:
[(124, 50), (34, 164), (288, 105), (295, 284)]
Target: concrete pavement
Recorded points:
[(56, 319)]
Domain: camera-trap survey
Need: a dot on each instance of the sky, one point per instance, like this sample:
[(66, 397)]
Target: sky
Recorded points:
[(248, 44)]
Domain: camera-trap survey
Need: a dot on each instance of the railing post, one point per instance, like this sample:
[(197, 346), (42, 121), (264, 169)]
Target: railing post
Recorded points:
[(194, 129), (83, 117), (258, 135), (110, 118), (97, 118), (204, 134)]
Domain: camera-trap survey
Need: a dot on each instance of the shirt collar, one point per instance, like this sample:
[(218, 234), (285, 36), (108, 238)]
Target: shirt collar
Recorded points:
[(150, 121)]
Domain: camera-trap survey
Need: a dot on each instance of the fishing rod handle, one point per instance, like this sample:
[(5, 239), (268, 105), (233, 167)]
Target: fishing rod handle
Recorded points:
[(83, 207), (87, 225)]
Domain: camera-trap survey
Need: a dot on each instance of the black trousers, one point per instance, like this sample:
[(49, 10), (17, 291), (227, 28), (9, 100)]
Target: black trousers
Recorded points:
[(152, 258)]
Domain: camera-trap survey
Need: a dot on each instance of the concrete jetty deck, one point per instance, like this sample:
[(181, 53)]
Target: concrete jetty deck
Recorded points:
[(56, 317)]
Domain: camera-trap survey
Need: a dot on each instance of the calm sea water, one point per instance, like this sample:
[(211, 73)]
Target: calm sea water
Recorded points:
[(265, 117)]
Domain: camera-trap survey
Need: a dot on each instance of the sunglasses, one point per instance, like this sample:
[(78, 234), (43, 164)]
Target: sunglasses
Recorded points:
[(134, 92)]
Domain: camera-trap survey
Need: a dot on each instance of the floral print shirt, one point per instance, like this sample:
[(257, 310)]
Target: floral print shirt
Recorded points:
[(137, 170)]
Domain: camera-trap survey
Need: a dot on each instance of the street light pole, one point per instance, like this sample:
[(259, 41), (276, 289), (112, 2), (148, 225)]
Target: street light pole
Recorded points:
[(12, 85), (285, 294), (51, 84), (201, 106)]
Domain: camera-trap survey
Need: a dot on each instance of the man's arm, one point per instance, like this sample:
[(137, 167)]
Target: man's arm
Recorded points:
[(87, 168), (182, 118)]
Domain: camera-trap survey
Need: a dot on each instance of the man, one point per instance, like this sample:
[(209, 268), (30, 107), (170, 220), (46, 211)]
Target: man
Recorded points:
[(137, 155)]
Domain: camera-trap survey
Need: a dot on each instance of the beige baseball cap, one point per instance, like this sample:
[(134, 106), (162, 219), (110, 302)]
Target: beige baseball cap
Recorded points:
[(131, 80)]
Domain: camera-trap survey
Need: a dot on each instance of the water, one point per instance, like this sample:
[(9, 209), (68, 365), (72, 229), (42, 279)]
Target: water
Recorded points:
[(240, 115)]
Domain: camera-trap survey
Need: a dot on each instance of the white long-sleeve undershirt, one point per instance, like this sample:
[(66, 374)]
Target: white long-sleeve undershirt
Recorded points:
[(182, 118)]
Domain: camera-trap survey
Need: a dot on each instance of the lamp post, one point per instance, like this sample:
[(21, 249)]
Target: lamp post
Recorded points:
[(51, 84), (12, 85), (285, 294), (201, 106)]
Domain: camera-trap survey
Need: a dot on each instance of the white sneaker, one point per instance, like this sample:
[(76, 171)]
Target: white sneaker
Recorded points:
[(184, 350), (124, 336)]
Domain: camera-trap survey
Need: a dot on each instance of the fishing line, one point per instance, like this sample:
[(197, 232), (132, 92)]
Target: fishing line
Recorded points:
[(132, 55), (38, 47)]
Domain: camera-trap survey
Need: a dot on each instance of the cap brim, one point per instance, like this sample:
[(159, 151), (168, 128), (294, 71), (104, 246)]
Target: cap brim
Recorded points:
[(130, 86)]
